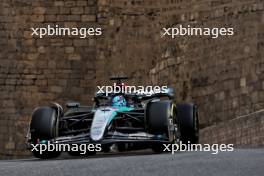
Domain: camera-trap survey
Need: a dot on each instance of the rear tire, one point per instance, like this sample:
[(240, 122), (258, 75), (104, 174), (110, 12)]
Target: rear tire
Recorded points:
[(158, 114), (43, 126), (187, 116)]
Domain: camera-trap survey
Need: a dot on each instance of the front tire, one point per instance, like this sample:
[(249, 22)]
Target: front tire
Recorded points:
[(187, 116), (160, 117), (43, 126), (46, 154)]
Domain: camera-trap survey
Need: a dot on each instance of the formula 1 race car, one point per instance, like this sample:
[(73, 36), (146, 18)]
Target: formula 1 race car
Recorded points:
[(126, 120)]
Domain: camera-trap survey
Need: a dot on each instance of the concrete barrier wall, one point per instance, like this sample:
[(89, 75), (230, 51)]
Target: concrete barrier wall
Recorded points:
[(243, 131)]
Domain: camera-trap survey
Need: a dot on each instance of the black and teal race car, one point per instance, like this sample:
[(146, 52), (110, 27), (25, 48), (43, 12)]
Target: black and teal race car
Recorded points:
[(128, 121)]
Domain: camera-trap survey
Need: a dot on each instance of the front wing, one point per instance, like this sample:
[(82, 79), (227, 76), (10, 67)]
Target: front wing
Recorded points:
[(110, 138)]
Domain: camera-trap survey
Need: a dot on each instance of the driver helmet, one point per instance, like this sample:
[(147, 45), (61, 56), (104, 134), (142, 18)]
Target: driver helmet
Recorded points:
[(119, 101)]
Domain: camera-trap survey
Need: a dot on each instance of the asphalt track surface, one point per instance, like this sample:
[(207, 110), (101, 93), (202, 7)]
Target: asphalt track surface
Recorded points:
[(241, 162)]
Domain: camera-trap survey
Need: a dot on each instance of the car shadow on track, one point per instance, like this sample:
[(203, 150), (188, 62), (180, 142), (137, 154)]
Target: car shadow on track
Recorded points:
[(66, 156)]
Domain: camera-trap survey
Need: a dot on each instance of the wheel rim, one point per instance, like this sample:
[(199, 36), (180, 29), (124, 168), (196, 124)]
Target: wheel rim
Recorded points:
[(175, 131)]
